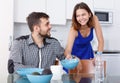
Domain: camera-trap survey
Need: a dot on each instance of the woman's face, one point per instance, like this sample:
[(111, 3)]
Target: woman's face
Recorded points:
[(82, 16)]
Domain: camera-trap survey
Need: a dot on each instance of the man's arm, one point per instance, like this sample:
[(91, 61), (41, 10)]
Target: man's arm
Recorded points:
[(16, 55), (59, 50)]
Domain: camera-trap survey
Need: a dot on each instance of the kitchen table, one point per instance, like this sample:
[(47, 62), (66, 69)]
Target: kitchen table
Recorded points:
[(67, 78)]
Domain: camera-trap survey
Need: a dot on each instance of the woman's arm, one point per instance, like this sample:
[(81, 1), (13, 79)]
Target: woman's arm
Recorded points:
[(99, 34), (71, 37)]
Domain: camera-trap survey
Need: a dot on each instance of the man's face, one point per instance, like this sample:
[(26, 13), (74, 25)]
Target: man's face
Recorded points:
[(45, 27)]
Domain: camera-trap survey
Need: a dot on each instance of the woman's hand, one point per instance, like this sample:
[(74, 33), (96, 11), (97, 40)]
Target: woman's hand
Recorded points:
[(68, 56)]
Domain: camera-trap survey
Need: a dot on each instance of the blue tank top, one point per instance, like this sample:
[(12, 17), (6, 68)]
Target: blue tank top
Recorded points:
[(82, 47)]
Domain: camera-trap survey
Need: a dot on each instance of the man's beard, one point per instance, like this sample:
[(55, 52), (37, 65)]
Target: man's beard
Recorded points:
[(44, 36)]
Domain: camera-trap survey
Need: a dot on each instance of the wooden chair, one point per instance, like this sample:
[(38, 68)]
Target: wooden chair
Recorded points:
[(87, 67)]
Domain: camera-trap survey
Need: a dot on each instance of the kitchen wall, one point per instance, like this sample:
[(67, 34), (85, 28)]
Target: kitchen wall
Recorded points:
[(60, 16), (6, 24), (110, 32), (58, 31)]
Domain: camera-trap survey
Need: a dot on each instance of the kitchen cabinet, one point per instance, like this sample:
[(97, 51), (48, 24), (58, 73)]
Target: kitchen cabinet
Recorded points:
[(112, 63), (104, 4), (24, 7), (71, 3), (56, 11)]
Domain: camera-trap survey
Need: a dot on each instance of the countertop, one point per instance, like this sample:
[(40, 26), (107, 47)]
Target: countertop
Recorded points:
[(110, 52)]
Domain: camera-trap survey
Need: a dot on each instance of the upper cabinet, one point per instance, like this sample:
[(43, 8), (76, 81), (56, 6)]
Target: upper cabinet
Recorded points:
[(104, 4), (22, 8), (71, 3), (56, 10)]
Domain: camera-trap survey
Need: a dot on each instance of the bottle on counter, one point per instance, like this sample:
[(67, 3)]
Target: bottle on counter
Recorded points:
[(98, 58), (99, 68)]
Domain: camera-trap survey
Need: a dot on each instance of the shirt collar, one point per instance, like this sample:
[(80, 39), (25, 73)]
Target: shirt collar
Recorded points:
[(45, 41), (30, 40)]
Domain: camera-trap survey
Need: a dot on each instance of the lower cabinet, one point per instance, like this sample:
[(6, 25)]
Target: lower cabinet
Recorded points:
[(112, 64)]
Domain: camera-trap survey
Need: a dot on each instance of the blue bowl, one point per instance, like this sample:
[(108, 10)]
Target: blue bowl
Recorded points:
[(22, 80), (25, 71), (70, 63), (39, 78)]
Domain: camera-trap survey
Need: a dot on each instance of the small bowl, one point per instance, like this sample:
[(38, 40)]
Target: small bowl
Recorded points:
[(70, 63), (25, 71), (39, 78)]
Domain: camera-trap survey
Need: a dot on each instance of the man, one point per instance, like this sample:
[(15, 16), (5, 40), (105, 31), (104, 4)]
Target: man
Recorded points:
[(37, 49)]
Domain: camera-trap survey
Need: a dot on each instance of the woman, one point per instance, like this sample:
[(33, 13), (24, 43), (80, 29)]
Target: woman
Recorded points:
[(81, 33)]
